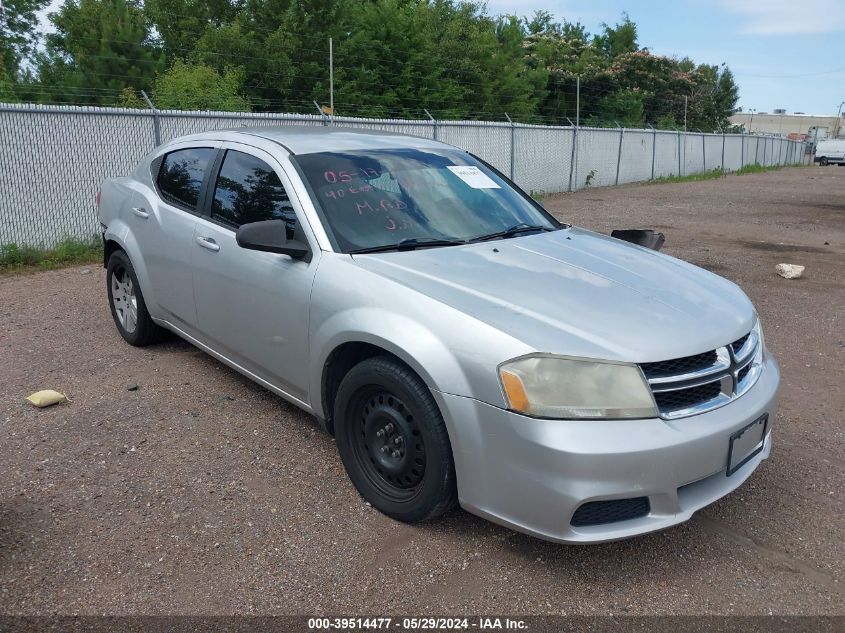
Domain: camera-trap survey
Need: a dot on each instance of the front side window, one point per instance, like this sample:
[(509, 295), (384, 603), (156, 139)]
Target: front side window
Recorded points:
[(249, 190), (380, 197), (181, 174)]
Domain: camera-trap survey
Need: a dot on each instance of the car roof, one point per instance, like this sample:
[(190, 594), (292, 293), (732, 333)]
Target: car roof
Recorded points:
[(301, 139)]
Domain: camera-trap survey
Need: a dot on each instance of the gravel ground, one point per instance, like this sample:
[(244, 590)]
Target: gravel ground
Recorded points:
[(202, 493)]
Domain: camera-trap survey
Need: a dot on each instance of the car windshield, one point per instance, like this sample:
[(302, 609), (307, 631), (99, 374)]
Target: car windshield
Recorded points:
[(420, 197)]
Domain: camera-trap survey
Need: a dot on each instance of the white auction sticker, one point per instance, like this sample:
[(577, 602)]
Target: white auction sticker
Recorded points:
[(473, 176)]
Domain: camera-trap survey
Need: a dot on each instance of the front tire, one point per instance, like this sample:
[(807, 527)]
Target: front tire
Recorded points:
[(393, 441), (128, 308), (823, 162)]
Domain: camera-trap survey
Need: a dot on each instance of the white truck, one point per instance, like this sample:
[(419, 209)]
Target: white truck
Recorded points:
[(830, 152)]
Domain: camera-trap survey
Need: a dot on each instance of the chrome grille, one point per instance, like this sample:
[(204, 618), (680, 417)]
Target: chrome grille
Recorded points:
[(701, 382)]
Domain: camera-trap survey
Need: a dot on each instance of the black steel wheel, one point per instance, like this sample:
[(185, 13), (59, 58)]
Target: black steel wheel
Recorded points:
[(393, 441), (128, 308)]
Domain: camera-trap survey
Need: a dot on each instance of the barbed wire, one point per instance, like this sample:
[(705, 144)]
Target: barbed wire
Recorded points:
[(655, 107)]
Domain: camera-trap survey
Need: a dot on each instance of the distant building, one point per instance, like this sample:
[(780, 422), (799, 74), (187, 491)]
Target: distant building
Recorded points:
[(797, 123)]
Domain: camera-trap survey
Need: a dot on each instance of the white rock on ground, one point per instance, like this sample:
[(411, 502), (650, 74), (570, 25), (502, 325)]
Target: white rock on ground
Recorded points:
[(789, 271)]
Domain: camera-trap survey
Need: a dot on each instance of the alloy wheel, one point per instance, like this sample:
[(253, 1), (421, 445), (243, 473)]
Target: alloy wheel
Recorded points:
[(124, 299)]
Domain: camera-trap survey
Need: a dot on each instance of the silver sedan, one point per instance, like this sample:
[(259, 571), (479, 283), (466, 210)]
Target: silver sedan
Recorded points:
[(460, 343)]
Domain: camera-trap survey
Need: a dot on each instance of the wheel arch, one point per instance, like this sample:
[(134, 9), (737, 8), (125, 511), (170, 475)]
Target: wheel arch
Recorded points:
[(338, 363), (118, 237), (110, 245), (413, 346)]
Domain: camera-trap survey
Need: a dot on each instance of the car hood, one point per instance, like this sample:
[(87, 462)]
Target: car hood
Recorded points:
[(578, 293)]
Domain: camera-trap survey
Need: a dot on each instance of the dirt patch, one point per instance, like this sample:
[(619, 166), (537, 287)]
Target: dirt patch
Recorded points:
[(202, 493), (780, 248)]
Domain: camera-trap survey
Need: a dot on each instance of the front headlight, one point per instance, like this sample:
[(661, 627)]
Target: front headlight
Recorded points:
[(546, 386)]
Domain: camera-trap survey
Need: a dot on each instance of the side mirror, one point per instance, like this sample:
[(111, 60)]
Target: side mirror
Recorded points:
[(642, 237), (271, 236)]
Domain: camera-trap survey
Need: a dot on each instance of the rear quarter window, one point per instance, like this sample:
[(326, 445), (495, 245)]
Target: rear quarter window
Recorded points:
[(181, 175)]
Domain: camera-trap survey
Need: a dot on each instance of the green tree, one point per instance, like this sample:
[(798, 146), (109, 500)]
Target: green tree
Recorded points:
[(667, 122), (450, 58), (18, 34), (7, 92), (182, 23), (713, 99), (618, 108), (661, 81), (130, 98), (99, 47), (281, 46), (541, 22), (199, 87), (565, 51), (392, 58), (618, 39)]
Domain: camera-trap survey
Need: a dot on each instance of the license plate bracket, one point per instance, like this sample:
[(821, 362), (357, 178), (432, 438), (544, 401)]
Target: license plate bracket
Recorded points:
[(746, 443)]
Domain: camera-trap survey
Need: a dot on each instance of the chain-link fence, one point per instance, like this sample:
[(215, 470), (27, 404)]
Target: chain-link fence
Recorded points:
[(53, 158)]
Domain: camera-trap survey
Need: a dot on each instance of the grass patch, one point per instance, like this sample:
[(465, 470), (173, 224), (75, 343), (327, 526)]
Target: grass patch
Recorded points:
[(712, 174), (757, 168), (69, 252), (704, 175)]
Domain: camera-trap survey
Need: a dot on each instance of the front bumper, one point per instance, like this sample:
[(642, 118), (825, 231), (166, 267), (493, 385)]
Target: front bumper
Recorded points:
[(532, 475)]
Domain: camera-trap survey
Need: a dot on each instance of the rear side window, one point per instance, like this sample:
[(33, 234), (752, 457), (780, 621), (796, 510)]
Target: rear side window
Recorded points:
[(181, 174), (248, 190)]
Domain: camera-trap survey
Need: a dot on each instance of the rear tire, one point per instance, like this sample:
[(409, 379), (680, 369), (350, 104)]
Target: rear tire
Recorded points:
[(128, 308), (823, 162), (393, 441)]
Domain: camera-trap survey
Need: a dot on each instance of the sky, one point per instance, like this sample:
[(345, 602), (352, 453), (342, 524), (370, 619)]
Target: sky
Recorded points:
[(783, 53)]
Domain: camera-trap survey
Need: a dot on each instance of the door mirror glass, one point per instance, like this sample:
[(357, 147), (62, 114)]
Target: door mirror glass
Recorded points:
[(270, 236)]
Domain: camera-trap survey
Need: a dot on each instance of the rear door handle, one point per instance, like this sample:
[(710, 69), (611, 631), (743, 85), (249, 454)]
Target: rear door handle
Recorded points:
[(140, 212), (209, 243)]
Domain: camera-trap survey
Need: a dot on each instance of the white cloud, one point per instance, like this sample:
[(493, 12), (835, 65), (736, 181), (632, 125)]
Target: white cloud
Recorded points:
[(788, 17)]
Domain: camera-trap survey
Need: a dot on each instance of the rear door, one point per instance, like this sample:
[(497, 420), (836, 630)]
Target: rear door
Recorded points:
[(164, 222), (253, 306)]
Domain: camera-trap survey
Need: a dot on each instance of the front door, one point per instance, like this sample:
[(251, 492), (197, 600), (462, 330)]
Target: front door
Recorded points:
[(252, 306)]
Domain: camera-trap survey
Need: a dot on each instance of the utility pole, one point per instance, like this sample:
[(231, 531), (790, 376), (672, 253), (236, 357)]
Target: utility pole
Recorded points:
[(685, 112), (837, 125), (751, 120), (331, 78)]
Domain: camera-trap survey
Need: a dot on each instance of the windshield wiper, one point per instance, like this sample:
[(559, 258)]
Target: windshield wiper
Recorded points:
[(516, 229), (408, 244)]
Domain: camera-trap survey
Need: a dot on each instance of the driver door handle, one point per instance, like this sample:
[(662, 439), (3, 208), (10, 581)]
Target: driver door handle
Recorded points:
[(140, 212), (209, 243)]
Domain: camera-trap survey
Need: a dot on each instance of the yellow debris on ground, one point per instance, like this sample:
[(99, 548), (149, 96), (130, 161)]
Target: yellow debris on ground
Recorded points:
[(46, 398)]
